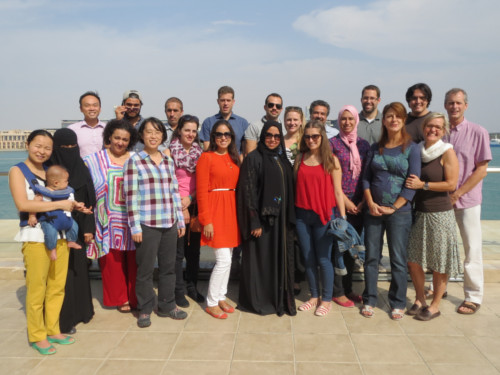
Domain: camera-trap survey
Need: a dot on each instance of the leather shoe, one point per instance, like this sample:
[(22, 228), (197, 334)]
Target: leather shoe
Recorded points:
[(181, 301), (424, 314), (195, 295)]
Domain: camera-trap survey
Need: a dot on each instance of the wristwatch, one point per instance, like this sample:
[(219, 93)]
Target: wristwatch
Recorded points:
[(426, 186)]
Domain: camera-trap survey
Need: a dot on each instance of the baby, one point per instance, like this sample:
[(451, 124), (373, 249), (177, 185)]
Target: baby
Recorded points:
[(54, 221)]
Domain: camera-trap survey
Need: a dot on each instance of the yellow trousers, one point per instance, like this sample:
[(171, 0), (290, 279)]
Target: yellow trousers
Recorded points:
[(45, 282)]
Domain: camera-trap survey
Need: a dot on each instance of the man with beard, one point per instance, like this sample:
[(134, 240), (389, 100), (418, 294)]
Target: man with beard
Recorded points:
[(370, 118), (130, 110)]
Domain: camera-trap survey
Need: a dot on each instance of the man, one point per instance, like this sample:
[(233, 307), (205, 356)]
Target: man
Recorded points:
[(370, 118), (472, 146), (89, 131), (319, 110), (130, 110), (273, 106), (225, 100), (174, 109), (418, 97)]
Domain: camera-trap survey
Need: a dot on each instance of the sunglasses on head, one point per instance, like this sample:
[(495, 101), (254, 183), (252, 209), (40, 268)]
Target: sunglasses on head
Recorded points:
[(271, 136), (220, 134), (314, 137), (272, 105)]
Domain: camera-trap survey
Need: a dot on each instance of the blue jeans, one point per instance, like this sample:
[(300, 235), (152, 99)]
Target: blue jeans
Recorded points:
[(50, 234), (398, 227), (316, 246)]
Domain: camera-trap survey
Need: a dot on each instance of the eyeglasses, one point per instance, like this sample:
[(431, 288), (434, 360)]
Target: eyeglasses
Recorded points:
[(132, 105), (314, 137), (271, 136), (272, 105), (219, 135)]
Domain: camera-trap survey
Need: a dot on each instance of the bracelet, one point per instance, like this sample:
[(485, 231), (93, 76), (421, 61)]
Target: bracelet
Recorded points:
[(190, 197), (394, 207)]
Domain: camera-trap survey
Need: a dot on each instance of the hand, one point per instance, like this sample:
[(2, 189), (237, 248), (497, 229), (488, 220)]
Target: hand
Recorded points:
[(454, 197), (208, 231), (53, 254), (386, 210), (375, 210), (32, 220), (120, 111), (256, 232), (66, 205), (186, 202), (137, 237), (79, 206), (350, 207), (181, 232), (413, 182), (88, 237)]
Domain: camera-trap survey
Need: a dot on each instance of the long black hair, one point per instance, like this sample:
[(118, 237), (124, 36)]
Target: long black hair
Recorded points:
[(235, 157)]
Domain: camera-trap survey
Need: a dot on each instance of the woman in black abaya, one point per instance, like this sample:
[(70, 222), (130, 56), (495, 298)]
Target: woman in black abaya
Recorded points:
[(266, 217), (77, 306)]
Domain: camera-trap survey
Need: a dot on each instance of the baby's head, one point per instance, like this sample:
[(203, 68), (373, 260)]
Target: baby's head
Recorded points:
[(57, 177)]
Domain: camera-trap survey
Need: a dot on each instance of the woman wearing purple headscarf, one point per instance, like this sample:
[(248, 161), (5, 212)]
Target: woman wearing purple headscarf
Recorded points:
[(352, 152)]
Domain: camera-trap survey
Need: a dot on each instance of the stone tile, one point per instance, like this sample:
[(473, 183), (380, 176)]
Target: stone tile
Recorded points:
[(322, 368), (489, 347), (91, 345), (479, 324), (447, 349), (201, 321), (263, 347), (253, 323), (108, 320), (132, 367), (325, 347), (160, 324), (261, 368), (12, 318), (145, 345), (385, 349), (395, 369), (441, 326), (19, 366), (196, 367), (15, 300), (13, 286), (17, 345), (63, 366), (380, 322), (462, 369), (307, 322), (204, 346)]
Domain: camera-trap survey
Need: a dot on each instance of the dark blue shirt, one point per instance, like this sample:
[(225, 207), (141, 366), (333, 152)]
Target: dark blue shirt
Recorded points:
[(239, 125)]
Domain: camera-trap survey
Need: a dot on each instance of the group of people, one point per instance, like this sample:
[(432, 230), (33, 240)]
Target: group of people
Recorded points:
[(292, 200)]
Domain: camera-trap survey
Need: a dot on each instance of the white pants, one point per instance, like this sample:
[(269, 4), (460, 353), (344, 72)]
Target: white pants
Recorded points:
[(217, 287), (469, 223)]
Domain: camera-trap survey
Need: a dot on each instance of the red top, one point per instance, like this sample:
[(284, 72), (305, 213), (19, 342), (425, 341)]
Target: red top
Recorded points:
[(315, 191)]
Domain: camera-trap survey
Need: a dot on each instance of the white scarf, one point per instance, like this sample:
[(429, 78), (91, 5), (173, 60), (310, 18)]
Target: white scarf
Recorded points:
[(433, 152)]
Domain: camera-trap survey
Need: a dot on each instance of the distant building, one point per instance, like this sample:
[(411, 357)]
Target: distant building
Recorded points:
[(15, 140)]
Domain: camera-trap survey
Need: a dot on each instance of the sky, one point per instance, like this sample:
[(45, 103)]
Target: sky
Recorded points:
[(55, 50)]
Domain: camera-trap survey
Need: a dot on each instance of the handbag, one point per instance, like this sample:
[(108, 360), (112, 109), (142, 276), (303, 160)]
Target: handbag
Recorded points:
[(194, 222)]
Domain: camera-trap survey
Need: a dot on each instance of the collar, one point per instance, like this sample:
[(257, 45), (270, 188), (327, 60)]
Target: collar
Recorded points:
[(84, 124), (459, 126), (219, 116)]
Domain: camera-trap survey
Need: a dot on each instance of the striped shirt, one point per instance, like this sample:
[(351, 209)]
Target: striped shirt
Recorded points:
[(151, 193)]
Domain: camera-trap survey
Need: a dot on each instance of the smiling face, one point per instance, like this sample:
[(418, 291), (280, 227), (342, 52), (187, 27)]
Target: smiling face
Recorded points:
[(319, 113), (293, 122), (369, 101), (222, 138), (433, 131), (226, 102), (151, 137), (312, 137), (272, 138), (271, 107), (119, 141), (188, 133), (39, 149), (90, 107), (418, 103), (133, 106), (347, 122), (392, 122), (455, 106)]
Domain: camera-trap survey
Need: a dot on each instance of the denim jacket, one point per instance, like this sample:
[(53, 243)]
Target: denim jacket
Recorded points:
[(346, 239)]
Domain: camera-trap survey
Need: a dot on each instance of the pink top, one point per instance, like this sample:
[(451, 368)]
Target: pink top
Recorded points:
[(187, 182), (89, 138), (472, 146)]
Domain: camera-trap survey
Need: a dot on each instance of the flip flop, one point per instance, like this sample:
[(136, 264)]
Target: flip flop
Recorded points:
[(367, 311), (44, 351), (468, 305), (126, 308), (68, 340)]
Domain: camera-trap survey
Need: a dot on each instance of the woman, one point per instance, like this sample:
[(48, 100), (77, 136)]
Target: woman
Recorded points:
[(318, 192), (433, 238), (77, 306), (266, 217), (45, 279), (390, 162), (185, 150), (113, 244), (155, 218), (352, 152), (294, 123), (216, 178)]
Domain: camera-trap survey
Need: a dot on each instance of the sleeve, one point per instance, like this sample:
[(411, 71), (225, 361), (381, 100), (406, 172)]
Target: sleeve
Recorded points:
[(414, 166), (176, 197), (483, 149), (131, 190), (205, 130), (248, 196), (367, 172), (251, 133), (202, 185)]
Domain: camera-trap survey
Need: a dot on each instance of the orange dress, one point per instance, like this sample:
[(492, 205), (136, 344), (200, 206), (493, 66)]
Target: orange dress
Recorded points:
[(215, 171)]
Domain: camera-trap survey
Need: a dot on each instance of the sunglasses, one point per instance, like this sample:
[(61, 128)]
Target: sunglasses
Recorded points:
[(314, 137), (271, 136), (219, 135), (272, 105)]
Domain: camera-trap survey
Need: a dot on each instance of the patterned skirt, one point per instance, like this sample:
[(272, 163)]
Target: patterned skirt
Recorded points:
[(433, 242)]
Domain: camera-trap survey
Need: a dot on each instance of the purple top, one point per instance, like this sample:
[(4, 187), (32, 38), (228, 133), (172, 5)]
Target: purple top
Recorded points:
[(89, 138), (472, 146), (352, 188)]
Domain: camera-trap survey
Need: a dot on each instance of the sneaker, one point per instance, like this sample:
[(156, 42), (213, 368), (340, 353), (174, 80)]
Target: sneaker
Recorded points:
[(143, 321), (176, 314), (193, 293), (181, 301)]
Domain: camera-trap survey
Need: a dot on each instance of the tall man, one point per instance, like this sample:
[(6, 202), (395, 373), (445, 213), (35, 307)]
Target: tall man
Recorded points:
[(370, 118), (89, 131), (174, 109), (273, 106), (225, 100), (418, 97), (319, 110), (472, 146)]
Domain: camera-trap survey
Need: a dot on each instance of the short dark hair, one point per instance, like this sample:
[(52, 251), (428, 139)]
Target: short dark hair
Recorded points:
[(422, 87), (89, 93), (157, 124), (321, 103), (225, 90), (122, 124), (275, 95), (38, 132), (173, 99), (371, 87)]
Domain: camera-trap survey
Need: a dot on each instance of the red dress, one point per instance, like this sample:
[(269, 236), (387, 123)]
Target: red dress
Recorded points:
[(215, 171)]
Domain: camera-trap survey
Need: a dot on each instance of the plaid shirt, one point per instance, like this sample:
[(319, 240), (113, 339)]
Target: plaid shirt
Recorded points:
[(152, 193)]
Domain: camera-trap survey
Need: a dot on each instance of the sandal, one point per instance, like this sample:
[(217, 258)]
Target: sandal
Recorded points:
[(226, 307), (308, 306), (67, 340), (397, 314), (414, 309), (124, 308), (367, 311), (44, 351), (468, 305), (322, 310), (429, 294)]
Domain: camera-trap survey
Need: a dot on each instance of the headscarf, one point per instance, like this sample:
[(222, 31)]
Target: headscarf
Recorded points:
[(69, 158), (350, 140), (185, 159), (272, 194)]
